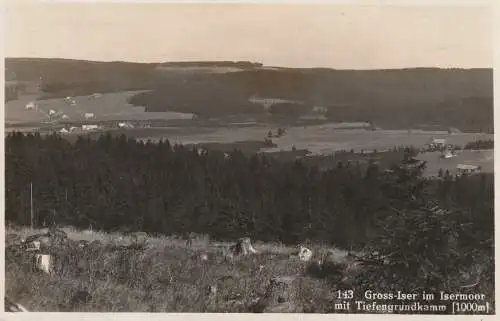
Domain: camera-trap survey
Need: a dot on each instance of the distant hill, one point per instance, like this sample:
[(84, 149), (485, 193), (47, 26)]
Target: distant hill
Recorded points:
[(63, 77), (461, 98), (399, 98), (235, 64)]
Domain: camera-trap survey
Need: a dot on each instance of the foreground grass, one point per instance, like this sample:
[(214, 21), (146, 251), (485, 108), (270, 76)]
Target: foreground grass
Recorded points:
[(165, 277), (168, 276)]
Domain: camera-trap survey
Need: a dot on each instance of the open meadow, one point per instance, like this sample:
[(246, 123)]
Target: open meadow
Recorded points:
[(435, 162), (322, 139), (108, 106)]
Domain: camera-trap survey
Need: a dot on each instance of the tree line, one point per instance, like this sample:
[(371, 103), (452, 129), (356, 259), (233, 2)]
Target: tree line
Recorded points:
[(480, 144), (119, 183)]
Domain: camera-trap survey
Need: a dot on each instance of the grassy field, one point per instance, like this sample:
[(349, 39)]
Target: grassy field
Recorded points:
[(435, 162), (322, 139), (165, 277), (110, 106)]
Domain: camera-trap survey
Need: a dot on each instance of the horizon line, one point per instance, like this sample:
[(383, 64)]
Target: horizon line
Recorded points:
[(243, 61)]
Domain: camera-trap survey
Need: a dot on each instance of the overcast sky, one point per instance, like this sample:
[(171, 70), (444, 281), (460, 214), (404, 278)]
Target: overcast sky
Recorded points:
[(337, 36)]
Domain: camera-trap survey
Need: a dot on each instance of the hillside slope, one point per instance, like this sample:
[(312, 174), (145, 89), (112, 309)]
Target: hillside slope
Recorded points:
[(461, 98)]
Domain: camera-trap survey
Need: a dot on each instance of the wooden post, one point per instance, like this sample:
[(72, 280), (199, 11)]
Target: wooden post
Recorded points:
[(31, 202)]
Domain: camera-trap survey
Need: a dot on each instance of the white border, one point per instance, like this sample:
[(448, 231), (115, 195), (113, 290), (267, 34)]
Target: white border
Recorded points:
[(39, 316), (353, 2)]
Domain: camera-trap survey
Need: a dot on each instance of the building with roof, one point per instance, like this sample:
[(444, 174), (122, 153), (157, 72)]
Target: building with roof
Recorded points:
[(467, 169), (437, 144)]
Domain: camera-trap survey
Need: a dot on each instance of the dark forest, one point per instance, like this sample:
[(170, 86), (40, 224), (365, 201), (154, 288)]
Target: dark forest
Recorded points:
[(117, 183)]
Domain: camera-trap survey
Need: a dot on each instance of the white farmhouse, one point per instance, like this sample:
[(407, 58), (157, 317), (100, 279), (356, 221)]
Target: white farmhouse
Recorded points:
[(125, 125), (30, 105), (437, 143), (466, 169), (449, 154), (89, 115), (201, 151), (90, 127), (320, 109)]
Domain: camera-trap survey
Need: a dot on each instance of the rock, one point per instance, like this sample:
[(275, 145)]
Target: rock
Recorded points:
[(305, 254)]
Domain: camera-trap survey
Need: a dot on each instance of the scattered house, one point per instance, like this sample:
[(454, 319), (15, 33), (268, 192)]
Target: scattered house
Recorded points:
[(448, 154), (320, 110), (90, 127), (64, 131), (201, 151), (437, 143), (125, 124), (68, 99), (73, 102), (96, 95), (64, 116), (52, 112), (89, 115), (466, 169), (31, 105), (73, 128)]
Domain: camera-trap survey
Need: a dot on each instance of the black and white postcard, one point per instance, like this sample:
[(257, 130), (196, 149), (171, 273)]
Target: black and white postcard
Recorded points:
[(312, 158)]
